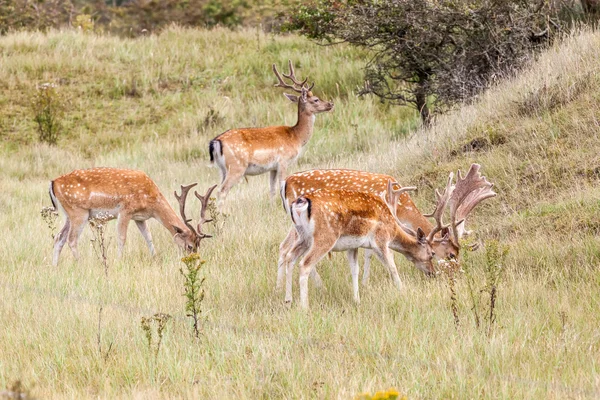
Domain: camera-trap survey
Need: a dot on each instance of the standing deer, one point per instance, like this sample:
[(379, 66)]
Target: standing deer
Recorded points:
[(444, 241), (340, 220), (254, 151), (126, 195)]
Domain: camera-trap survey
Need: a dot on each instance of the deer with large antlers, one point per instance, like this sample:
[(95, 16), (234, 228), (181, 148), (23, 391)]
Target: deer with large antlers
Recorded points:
[(340, 220), (125, 195), (254, 151), (444, 241)]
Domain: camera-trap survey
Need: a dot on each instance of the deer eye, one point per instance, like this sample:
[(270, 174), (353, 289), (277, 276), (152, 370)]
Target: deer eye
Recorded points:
[(190, 247), (316, 100)]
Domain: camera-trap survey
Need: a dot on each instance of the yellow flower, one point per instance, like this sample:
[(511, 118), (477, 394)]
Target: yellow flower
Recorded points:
[(393, 393), (380, 396), (191, 258)]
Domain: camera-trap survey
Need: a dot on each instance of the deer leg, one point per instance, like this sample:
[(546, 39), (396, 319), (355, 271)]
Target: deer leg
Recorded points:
[(367, 267), (276, 178), (77, 224), (312, 257), (233, 177), (316, 278), (273, 180), (122, 224), (143, 227), (59, 242), (387, 258), (354, 268), (284, 248), (297, 251)]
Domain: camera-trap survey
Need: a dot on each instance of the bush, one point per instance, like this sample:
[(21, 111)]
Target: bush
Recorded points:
[(443, 51), (48, 108)]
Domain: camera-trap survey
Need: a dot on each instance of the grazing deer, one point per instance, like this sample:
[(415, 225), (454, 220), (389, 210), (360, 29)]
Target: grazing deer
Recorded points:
[(444, 242), (341, 220), (254, 151), (126, 195)]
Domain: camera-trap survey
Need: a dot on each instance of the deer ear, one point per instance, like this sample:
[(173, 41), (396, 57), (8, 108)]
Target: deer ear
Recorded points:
[(421, 237), (291, 97), (178, 231)]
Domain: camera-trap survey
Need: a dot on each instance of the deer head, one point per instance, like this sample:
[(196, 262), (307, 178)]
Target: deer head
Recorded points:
[(190, 240), (307, 101)]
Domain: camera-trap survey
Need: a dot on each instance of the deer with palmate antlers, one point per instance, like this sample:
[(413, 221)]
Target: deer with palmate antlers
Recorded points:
[(254, 151), (340, 220), (125, 195), (444, 241)]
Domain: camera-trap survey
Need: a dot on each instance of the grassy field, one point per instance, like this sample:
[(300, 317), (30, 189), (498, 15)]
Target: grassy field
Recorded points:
[(153, 103)]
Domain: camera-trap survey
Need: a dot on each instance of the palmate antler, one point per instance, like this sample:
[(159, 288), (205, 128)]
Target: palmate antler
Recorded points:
[(438, 213), (468, 192), (462, 198), (298, 87)]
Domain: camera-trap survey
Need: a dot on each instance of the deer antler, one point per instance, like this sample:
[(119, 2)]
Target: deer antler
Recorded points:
[(391, 198), (468, 192), (297, 86), (438, 213), (204, 205), (181, 199)]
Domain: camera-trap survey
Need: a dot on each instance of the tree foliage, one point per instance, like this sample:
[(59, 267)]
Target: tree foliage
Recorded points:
[(431, 50)]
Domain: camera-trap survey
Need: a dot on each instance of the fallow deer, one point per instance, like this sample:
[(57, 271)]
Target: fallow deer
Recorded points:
[(126, 195), (444, 242), (341, 220), (254, 151)]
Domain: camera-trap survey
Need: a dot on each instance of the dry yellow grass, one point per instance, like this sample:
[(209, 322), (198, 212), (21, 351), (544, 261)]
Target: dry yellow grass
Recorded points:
[(535, 135)]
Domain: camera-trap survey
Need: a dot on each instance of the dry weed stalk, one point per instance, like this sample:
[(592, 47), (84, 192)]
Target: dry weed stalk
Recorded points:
[(450, 268), (99, 243), (160, 321), (50, 215)]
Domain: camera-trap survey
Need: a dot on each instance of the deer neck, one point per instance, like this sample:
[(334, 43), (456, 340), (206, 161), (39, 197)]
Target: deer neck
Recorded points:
[(304, 127), (165, 214), (401, 241)]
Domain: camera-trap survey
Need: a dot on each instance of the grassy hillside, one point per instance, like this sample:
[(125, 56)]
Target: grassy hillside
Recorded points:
[(146, 104)]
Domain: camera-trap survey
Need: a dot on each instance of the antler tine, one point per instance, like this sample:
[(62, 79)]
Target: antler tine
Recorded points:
[(282, 83), (440, 207), (181, 199), (204, 205), (297, 86), (391, 198), (292, 75), (470, 191)]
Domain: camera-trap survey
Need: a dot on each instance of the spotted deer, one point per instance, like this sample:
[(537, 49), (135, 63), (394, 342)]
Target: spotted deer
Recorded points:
[(254, 151), (445, 242), (125, 195), (341, 220)]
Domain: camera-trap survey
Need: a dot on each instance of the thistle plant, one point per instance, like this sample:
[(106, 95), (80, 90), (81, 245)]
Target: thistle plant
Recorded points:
[(156, 323), (50, 215), (193, 290)]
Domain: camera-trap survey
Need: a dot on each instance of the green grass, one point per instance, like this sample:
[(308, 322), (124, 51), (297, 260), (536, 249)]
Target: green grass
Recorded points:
[(536, 136)]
